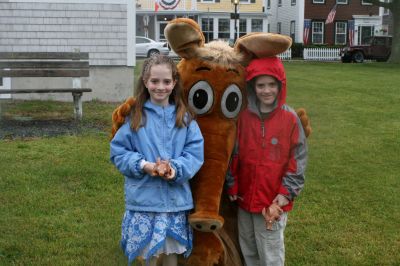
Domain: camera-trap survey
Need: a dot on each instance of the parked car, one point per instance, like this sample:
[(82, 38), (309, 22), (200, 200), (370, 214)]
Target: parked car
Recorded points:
[(377, 48), (145, 47)]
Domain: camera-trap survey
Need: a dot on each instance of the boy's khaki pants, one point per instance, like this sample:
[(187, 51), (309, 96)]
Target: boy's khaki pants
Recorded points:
[(261, 247)]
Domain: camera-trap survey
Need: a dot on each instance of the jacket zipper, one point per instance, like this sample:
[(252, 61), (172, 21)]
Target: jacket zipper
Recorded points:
[(263, 133)]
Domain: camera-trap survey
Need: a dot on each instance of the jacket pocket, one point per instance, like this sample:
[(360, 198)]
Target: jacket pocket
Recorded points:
[(143, 195), (275, 150)]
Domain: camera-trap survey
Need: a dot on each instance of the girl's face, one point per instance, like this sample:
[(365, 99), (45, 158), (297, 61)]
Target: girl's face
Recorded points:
[(267, 89), (160, 84)]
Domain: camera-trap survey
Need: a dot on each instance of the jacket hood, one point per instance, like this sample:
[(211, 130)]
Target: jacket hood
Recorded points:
[(271, 66)]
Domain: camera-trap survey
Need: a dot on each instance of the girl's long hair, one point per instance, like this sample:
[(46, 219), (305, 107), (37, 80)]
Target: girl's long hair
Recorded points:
[(183, 113)]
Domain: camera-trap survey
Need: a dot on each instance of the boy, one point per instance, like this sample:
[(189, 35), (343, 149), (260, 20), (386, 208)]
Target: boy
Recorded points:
[(267, 168)]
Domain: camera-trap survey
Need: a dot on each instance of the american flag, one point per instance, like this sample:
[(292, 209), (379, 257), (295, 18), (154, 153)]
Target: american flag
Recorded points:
[(351, 31), (331, 15), (306, 33)]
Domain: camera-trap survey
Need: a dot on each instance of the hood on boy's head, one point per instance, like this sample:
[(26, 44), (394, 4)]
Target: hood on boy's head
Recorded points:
[(271, 66)]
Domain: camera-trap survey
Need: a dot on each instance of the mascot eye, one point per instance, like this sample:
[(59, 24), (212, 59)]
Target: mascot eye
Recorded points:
[(201, 97), (231, 101)]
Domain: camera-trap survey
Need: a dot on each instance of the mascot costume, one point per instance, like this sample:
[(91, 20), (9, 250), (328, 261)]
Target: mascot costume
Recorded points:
[(213, 78)]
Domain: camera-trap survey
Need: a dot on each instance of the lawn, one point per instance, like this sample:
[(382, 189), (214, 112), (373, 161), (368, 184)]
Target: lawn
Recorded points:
[(62, 200)]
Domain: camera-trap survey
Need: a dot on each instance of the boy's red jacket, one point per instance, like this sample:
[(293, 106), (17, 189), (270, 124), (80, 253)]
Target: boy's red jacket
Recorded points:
[(271, 154)]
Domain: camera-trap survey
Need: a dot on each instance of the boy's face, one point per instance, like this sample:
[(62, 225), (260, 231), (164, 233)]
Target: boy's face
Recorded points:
[(266, 89)]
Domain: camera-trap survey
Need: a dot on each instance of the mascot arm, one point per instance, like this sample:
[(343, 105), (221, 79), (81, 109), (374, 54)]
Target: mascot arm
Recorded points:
[(120, 113), (305, 121), (122, 155), (231, 176), (192, 157)]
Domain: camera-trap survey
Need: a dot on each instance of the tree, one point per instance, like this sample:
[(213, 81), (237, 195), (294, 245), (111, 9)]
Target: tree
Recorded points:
[(394, 7)]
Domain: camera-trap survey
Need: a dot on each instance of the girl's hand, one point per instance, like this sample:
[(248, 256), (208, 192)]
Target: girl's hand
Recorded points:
[(164, 170), (170, 175), (150, 168)]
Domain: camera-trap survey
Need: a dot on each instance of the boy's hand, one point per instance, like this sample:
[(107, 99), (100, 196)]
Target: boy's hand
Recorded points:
[(281, 200), (271, 215), (233, 197)]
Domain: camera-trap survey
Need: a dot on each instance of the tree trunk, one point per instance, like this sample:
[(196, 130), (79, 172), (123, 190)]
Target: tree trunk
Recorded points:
[(394, 6), (395, 55)]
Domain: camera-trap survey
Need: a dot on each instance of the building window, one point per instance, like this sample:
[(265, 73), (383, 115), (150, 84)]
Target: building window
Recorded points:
[(318, 1), (364, 34), (340, 32), (293, 30), (279, 2), (341, 2), (318, 32), (363, 2), (279, 27), (242, 27), (223, 28), (386, 11), (293, 2), (269, 27), (207, 26), (268, 4), (256, 25)]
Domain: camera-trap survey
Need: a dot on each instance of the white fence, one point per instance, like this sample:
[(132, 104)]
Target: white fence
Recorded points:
[(321, 54), (287, 55)]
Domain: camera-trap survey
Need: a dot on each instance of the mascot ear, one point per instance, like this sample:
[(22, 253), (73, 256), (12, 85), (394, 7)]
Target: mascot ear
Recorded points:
[(184, 36), (260, 45)]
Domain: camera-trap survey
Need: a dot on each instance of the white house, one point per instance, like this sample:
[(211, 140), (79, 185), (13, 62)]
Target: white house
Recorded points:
[(103, 28)]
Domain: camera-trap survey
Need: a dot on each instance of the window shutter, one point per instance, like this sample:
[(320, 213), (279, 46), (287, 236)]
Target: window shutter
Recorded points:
[(252, 1), (217, 1)]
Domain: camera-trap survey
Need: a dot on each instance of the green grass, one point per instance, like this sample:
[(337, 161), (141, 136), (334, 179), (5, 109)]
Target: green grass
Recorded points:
[(62, 200)]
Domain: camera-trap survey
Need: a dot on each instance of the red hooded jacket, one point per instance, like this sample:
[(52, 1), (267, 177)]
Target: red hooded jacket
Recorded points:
[(271, 154)]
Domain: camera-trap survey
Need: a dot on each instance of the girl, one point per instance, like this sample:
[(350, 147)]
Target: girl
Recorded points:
[(160, 133)]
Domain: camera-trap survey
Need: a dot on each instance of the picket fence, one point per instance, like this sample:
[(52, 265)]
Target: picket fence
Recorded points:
[(287, 55), (321, 54), (316, 54)]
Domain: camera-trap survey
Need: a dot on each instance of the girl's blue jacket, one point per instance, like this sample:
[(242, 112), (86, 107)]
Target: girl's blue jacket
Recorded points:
[(158, 138)]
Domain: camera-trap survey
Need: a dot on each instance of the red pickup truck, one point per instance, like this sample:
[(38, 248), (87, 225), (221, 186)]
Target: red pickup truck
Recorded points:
[(377, 48)]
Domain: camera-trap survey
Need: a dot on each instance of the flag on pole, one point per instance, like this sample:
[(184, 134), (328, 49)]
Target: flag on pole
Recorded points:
[(306, 32), (351, 32), (331, 15), (156, 5)]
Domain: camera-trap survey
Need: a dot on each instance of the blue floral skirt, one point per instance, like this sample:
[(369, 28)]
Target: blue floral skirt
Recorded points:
[(147, 234)]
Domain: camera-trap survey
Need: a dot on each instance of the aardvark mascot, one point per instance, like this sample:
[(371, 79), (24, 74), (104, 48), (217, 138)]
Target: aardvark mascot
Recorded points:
[(213, 77)]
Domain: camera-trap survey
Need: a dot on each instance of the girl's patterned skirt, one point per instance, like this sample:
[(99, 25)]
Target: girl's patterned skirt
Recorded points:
[(147, 234)]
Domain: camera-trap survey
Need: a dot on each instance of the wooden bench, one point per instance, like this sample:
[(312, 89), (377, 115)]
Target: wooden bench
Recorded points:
[(29, 64)]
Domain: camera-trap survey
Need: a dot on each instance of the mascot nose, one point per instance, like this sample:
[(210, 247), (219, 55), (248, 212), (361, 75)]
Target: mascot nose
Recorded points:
[(206, 225)]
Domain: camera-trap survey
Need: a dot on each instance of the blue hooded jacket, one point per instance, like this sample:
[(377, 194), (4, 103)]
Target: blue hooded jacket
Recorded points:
[(158, 138)]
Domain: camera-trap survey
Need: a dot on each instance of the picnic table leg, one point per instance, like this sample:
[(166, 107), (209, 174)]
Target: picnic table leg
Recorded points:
[(77, 105)]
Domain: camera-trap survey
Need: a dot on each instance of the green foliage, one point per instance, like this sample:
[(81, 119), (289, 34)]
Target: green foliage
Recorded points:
[(62, 200)]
